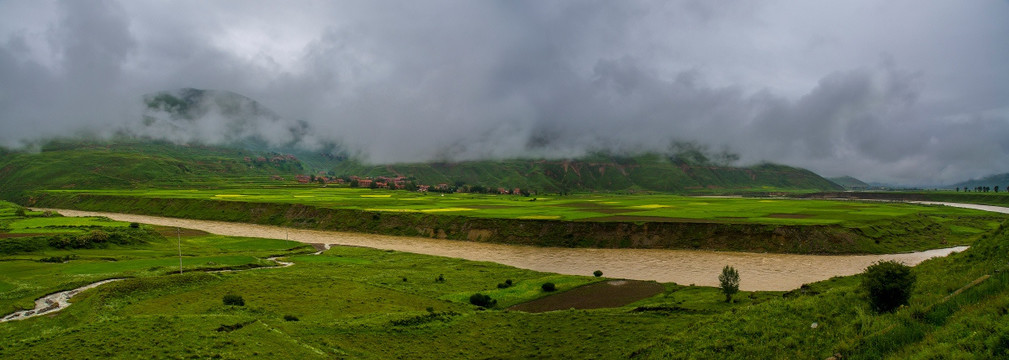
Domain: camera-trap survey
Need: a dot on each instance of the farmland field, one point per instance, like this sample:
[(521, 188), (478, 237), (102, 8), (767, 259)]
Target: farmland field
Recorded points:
[(586, 207), (584, 220)]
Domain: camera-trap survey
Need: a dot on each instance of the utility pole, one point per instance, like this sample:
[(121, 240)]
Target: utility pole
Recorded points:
[(178, 231)]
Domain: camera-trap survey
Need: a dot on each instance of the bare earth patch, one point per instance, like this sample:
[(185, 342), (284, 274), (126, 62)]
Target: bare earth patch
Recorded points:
[(606, 294)]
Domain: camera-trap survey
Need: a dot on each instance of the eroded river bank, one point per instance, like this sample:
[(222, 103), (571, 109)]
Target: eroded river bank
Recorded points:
[(759, 271)]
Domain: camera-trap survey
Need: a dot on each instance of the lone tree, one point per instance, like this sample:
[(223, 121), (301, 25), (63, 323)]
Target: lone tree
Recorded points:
[(729, 282), (889, 285)]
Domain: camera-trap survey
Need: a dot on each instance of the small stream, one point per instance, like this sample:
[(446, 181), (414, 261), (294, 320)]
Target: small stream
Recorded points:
[(61, 300), (53, 302)]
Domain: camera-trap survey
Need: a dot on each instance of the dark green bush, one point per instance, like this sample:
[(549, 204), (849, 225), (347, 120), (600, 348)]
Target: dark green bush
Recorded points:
[(21, 245), (479, 299), (290, 318), (58, 259), (231, 299), (888, 284), (729, 282), (597, 273), (549, 287)]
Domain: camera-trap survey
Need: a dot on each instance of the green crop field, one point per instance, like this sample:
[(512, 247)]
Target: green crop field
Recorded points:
[(353, 302), (580, 220), (583, 207)]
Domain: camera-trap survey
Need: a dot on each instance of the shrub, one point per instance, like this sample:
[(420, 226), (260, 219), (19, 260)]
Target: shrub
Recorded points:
[(729, 282), (231, 299), (58, 259), (21, 245), (440, 279), (20, 212), (889, 285), (597, 273), (290, 318), (549, 287), (135, 225), (479, 299)]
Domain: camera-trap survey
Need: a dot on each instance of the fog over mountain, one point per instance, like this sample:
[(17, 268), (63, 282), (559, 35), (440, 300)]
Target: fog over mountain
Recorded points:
[(895, 91)]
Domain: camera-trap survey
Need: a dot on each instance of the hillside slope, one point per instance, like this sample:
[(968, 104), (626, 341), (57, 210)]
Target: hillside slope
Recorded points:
[(1000, 180), (649, 172), (850, 183), (69, 164)]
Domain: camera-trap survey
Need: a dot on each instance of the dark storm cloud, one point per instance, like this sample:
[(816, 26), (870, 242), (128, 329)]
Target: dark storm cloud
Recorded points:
[(896, 91)]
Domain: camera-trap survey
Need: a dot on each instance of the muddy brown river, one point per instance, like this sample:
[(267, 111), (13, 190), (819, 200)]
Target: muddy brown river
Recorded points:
[(758, 271)]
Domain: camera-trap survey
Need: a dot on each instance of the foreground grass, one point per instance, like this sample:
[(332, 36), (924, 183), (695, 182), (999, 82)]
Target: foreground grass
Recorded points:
[(366, 303)]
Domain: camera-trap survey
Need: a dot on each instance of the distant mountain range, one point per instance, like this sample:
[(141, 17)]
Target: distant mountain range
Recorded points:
[(192, 136), (603, 172), (1000, 180)]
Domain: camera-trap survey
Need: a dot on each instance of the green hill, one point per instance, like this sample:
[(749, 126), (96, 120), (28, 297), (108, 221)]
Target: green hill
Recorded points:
[(134, 163), (647, 172), (69, 164), (991, 181), (850, 183)]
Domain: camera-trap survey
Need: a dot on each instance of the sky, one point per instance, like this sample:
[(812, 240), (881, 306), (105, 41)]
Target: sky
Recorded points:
[(904, 91)]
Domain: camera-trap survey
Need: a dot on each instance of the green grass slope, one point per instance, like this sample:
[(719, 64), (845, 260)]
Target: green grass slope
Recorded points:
[(133, 163), (650, 172), (850, 183), (76, 164)]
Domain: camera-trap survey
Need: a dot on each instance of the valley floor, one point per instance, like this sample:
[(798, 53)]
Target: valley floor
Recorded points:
[(763, 271)]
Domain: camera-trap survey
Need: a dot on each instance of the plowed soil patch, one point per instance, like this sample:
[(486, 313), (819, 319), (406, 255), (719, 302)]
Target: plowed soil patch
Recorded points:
[(606, 294)]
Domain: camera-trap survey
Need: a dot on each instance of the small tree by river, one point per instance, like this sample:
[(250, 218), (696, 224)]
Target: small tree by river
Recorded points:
[(729, 282), (888, 284)]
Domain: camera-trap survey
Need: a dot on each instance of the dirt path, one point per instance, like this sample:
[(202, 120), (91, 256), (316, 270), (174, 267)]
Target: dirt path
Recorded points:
[(759, 271)]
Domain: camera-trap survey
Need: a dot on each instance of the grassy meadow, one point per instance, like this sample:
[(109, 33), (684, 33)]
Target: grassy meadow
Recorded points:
[(581, 207), (371, 304), (582, 220)]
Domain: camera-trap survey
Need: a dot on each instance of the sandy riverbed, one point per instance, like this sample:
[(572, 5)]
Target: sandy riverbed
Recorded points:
[(758, 271)]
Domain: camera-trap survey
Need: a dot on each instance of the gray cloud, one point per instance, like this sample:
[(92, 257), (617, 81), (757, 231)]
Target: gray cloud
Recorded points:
[(899, 91)]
